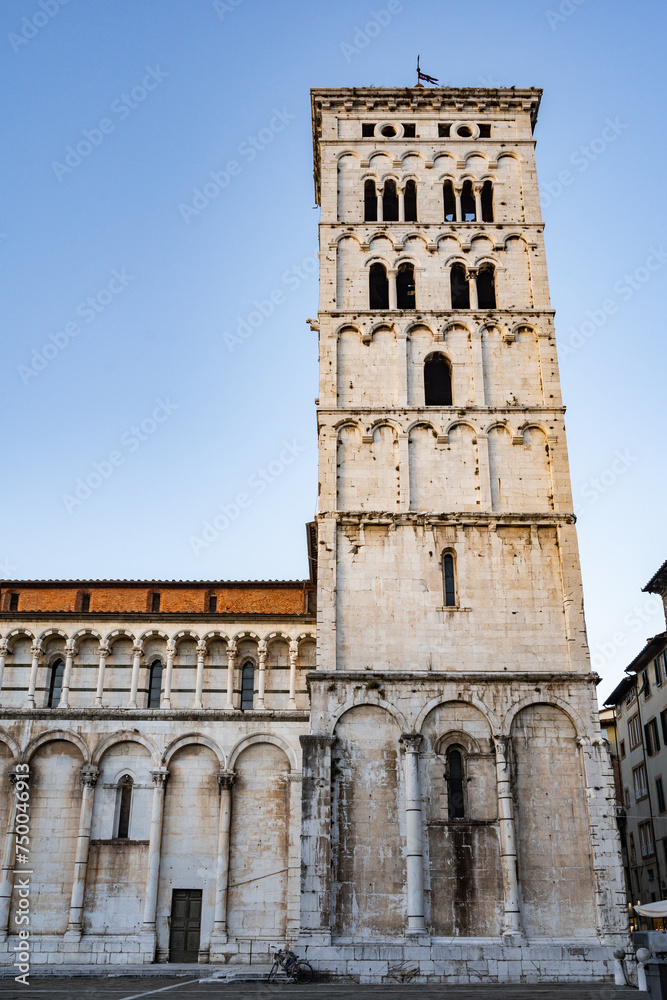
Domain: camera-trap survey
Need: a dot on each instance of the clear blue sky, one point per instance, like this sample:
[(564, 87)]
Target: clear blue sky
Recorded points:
[(170, 91)]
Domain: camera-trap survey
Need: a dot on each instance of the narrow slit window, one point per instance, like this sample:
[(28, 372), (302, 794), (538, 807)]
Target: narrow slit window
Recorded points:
[(455, 785), (450, 202), (460, 288), (56, 683), (449, 579), (405, 287), (390, 202), (85, 603), (487, 201), (13, 602), (124, 807), (437, 381), (155, 602), (378, 287), (212, 603), (247, 687), (468, 211), (370, 202), (155, 685), (410, 201), (486, 288)]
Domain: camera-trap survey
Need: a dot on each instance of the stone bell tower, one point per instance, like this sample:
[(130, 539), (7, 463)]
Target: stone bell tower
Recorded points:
[(455, 781)]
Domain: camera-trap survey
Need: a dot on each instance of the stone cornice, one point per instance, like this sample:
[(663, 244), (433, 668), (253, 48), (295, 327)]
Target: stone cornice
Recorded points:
[(441, 678), (464, 518), (145, 714)]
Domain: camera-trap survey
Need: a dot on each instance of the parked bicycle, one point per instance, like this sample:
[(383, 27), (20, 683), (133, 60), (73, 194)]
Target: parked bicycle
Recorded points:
[(292, 966)]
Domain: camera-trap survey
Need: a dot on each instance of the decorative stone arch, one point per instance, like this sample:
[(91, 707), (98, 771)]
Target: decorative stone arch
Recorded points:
[(215, 635), (454, 324), (487, 258), (418, 324), (51, 632), (347, 235), (376, 702), (473, 699), (385, 422), (192, 739), (18, 633), (11, 743), (580, 728), (516, 235), (154, 633), (533, 425), (412, 152), (278, 635), (453, 235), (478, 151), (382, 234), (390, 175), (525, 325), (499, 425), (306, 637), (347, 422), (253, 636), (458, 422), (369, 175), (377, 259), (456, 258), (125, 736), (457, 738), (347, 325), (53, 736), (379, 153), (406, 258), (348, 152), (185, 633), (249, 741), (511, 153), (85, 633), (423, 422), (119, 633), (416, 235)]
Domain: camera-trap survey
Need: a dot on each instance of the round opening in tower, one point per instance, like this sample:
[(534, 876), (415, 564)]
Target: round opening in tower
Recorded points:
[(464, 131), (388, 130)]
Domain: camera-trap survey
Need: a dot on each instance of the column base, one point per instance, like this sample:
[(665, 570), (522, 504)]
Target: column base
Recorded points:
[(218, 941), (512, 938), (147, 943), (72, 934)]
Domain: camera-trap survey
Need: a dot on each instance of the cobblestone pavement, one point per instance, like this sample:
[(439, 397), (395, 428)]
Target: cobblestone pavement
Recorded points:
[(126, 988)]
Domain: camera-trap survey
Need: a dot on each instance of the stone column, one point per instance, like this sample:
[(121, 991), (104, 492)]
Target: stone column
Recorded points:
[(136, 664), (391, 278), (404, 471), (231, 660), (7, 877), (477, 362), (484, 471), (457, 195), (293, 653), (414, 835), (3, 656), (89, 776), (316, 837), (401, 205), (160, 775), (261, 655), (171, 652), (103, 653), (199, 684), (472, 285), (226, 781), (36, 653), (478, 204), (67, 675), (508, 855)]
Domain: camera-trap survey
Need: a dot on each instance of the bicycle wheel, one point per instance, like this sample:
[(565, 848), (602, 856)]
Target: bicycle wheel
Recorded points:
[(272, 973), (303, 973)]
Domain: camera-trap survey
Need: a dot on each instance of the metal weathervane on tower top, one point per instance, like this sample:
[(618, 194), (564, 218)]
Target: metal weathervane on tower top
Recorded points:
[(424, 76)]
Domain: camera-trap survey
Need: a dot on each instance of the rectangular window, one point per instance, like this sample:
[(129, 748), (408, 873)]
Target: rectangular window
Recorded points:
[(367, 130), (443, 131), (85, 603), (212, 603), (639, 778), (657, 671), (155, 602), (409, 130), (484, 131), (13, 602), (630, 696), (663, 723), (646, 685), (646, 840), (653, 733), (634, 732), (660, 793), (622, 745)]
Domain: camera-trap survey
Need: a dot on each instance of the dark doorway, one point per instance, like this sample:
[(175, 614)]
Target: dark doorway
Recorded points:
[(185, 925)]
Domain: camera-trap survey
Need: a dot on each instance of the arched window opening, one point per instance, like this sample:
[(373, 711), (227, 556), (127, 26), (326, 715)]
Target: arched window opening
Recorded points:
[(370, 202), (460, 289), (487, 201), (378, 287), (468, 213), (437, 381), (247, 687), (390, 202), (486, 288), (450, 202), (455, 784), (449, 579), (124, 807), (410, 201), (405, 287), (155, 685), (56, 683)]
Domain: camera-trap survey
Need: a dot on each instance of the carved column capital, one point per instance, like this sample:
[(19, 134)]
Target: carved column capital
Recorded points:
[(103, 649), (411, 741), (159, 775), (137, 649), (293, 649), (502, 745), (226, 780), (69, 648), (14, 775), (201, 648), (36, 648), (231, 650), (3, 647), (89, 775), (319, 740), (262, 647), (171, 647)]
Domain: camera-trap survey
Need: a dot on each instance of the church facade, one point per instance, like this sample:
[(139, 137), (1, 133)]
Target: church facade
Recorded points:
[(396, 766)]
